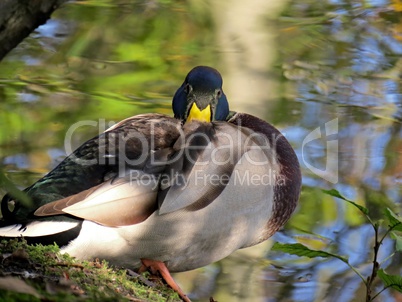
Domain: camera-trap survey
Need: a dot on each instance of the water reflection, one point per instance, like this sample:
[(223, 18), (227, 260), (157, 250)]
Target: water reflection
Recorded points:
[(298, 64)]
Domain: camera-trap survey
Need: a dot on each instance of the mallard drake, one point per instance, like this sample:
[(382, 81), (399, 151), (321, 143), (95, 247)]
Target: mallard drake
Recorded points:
[(170, 194)]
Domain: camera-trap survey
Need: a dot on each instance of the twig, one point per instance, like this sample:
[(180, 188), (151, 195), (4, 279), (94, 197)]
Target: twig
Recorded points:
[(371, 278), (68, 265)]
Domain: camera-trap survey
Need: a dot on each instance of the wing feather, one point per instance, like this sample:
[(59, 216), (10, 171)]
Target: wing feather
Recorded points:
[(205, 160), (119, 202)]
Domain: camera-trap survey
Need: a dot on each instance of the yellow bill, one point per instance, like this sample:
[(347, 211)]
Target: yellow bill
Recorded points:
[(199, 115)]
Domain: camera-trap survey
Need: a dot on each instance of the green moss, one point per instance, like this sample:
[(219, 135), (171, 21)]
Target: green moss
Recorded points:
[(56, 277), (6, 295)]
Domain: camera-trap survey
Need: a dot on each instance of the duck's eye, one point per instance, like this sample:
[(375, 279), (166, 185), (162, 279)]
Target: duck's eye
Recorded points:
[(187, 88)]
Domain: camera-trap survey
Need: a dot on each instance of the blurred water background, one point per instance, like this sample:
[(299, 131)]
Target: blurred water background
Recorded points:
[(301, 65)]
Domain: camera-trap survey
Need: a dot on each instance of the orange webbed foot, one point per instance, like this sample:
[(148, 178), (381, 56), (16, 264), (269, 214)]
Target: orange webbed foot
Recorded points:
[(155, 267)]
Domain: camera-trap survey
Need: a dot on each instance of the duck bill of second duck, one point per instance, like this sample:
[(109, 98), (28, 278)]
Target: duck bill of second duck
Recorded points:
[(224, 201)]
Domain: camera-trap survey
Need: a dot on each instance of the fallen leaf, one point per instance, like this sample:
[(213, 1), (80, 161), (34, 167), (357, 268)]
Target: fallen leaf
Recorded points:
[(17, 285)]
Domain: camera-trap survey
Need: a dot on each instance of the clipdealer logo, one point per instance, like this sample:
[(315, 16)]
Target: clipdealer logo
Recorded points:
[(110, 155), (329, 135), (239, 178)]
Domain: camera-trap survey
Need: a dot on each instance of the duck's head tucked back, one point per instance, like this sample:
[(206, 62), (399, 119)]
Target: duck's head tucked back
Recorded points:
[(201, 97)]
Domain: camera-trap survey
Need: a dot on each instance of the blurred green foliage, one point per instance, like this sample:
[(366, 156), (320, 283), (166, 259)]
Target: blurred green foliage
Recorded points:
[(114, 59)]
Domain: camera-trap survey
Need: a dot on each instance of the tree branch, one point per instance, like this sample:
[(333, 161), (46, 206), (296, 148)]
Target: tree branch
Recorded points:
[(18, 18)]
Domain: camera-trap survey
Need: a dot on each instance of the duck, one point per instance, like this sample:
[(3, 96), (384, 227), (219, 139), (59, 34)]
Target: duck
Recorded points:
[(166, 194)]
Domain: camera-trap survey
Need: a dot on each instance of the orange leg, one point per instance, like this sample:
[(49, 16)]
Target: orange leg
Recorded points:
[(158, 266)]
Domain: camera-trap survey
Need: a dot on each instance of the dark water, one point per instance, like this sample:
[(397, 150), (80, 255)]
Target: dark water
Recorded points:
[(326, 73)]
